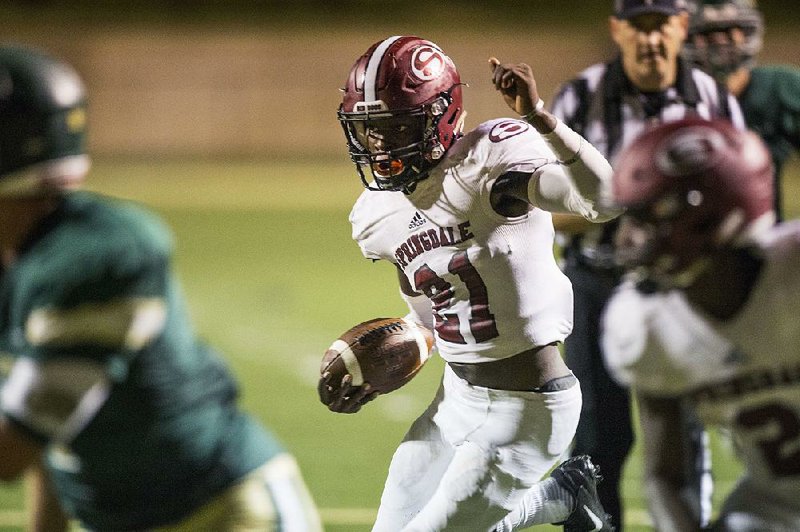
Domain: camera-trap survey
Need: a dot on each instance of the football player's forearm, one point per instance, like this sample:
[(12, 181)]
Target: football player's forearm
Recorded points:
[(420, 309), (419, 306), (589, 170)]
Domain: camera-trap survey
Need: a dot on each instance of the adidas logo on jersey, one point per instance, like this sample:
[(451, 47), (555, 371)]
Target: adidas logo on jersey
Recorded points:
[(417, 221)]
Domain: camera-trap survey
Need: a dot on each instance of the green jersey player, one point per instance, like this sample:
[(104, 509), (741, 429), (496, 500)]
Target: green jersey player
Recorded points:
[(130, 418), (725, 37)]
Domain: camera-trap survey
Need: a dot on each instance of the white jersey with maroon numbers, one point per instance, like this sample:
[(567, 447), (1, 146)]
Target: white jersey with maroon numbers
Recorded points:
[(743, 374), (494, 284)]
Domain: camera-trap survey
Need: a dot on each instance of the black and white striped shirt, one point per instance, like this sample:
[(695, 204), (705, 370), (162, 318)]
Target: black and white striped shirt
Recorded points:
[(603, 105)]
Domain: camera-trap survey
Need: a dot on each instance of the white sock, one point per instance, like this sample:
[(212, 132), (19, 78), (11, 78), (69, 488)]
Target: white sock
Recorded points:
[(545, 502)]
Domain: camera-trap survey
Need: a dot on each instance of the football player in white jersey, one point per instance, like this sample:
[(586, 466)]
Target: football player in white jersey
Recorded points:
[(464, 218), (718, 330)]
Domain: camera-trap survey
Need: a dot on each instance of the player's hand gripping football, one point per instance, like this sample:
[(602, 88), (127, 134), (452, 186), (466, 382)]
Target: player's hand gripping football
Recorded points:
[(341, 396), (518, 88), (373, 357)]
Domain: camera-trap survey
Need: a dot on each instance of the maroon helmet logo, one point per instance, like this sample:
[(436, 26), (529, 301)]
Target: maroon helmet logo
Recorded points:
[(507, 129), (690, 150), (427, 63)]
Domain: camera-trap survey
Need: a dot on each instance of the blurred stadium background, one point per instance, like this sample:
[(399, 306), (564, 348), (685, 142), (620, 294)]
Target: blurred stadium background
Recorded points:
[(220, 115)]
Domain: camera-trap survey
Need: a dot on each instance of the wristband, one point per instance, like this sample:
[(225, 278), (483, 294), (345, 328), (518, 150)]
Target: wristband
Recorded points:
[(536, 108)]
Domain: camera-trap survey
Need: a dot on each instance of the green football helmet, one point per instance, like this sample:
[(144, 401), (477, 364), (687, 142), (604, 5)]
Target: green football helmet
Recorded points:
[(724, 35), (42, 120)]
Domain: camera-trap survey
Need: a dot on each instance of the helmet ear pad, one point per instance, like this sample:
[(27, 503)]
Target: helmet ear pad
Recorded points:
[(699, 185), (397, 78)]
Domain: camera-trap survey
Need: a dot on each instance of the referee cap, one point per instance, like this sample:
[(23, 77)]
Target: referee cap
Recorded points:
[(625, 9)]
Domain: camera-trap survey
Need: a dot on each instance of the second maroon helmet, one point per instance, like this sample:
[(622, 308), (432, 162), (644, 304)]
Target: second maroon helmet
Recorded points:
[(691, 186)]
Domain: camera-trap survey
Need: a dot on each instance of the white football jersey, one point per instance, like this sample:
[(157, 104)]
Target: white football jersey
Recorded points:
[(493, 281), (743, 374)]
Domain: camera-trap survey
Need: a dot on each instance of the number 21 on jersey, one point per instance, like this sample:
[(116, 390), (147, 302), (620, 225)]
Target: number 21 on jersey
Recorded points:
[(482, 324)]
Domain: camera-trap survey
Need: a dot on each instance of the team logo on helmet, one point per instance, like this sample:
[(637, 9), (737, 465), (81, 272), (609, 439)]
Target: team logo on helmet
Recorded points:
[(427, 63), (689, 151)]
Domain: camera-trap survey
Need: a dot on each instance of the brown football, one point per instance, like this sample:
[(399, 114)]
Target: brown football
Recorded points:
[(385, 352)]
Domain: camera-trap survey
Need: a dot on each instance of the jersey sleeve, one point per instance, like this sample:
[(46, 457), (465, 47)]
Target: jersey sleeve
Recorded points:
[(636, 349), (88, 309), (569, 174), (375, 220), (364, 222), (623, 334), (658, 342), (508, 145), (112, 298), (581, 181)]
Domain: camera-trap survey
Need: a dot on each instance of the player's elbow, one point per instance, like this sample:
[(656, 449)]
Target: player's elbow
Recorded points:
[(603, 215), (607, 207), (593, 212)]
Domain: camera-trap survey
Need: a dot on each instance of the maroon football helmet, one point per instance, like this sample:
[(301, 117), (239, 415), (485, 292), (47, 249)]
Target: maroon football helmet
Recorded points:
[(401, 111), (690, 187)]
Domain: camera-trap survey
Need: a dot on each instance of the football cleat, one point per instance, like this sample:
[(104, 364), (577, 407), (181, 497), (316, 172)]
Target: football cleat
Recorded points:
[(580, 477)]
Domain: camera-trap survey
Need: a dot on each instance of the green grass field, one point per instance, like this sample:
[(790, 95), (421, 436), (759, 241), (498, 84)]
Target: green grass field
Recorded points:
[(272, 276)]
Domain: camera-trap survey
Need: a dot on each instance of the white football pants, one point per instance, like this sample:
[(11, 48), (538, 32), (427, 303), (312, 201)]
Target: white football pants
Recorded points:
[(468, 460)]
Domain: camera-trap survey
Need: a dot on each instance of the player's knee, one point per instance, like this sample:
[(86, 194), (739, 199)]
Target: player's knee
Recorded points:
[(471, 471)]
